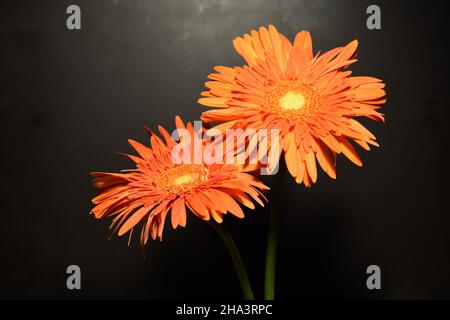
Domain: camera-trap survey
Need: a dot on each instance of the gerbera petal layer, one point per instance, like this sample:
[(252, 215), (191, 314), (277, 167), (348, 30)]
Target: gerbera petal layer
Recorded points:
[(158, 186), (312, 99)]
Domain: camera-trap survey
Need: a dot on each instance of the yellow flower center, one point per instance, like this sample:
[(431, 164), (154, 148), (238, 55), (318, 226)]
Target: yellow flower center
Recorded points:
[(182, 178), (292, 99)]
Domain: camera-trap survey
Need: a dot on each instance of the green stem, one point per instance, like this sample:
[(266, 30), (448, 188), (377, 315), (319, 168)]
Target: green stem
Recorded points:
[(236, 258), (272, 236)]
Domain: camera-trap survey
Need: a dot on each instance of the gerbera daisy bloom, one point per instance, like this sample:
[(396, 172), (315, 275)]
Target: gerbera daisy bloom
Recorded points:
[(145, 195), (311, 99)]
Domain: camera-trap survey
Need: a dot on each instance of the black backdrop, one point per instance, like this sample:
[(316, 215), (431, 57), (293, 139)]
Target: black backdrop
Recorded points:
[(70, 99)]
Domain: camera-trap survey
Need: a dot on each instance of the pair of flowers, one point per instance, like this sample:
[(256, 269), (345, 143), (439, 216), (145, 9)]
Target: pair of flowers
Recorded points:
[(311, 99)]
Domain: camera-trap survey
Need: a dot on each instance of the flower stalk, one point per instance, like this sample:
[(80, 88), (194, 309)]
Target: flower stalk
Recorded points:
[(272, 235), (236, 259)]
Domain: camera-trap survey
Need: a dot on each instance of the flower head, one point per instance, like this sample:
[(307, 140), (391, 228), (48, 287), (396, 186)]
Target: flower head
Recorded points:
[(311, 99), (158, 185)]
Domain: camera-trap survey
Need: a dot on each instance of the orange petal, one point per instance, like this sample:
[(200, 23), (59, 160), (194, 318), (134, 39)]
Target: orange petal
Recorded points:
[(217, 216), (311, 165), (141, 149), (291, 156), (276, 43), (178, 210), (133, 220), (231, 205), (304, 43), (349, 151), (326, 160), (242, 198), (199, 209)]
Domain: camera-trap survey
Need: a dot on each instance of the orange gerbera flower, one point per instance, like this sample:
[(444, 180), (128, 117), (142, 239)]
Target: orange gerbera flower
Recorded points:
[(311, 99), (158, 185)]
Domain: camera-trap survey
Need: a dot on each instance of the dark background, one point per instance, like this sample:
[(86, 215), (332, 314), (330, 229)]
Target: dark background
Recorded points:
[(70, 99)]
